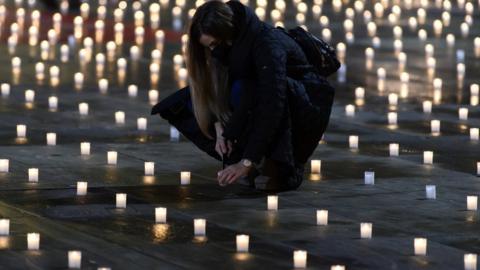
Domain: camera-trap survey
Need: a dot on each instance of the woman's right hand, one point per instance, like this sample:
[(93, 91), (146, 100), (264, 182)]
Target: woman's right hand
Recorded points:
[(222, 146)]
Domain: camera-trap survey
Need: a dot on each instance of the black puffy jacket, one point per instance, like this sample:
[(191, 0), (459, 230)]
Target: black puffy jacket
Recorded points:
[(289, 105)]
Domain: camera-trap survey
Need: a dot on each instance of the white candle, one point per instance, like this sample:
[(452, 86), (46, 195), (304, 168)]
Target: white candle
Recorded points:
[(132, 90), (4, 227), (353, 141), (4, 165), (337, 267), (435, 126), (366, 230), (82, 188), (112, 158), (53, 103), (427, 106), (428, 157), (272, 202), (120, 118), (299, 259), (315, 166), (121, 200), (369, 178), (472, 202), (85, 148), (74, 259), (83, 109), (199, 226), (78, 79), (153, 96), (350, 110), (142, 123), (474, 134), (185, 178), (21, 131), (470, 261), (5, 88), (242, 242), (103, 85), (359, 92), (149, 168), (51, 138), (393, 99), (33, 174), (29, 96), (420, 246), (431, 192), (394, 149), (322, 217), (33, 241), (463, 113), (392, 118), (161, 215)]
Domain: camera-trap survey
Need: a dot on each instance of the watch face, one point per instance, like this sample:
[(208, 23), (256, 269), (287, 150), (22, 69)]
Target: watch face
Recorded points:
[(247, 162)]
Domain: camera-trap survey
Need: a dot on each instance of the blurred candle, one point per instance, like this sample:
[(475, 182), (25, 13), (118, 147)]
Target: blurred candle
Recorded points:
[(431, 192), (393, 99), (272, 202), (299, 259), (160, 215), (112, 158), (185, 178), (337, 267), (121, 200), (29, 96), (474, 134), (103, 85), (420, 246), (359, 92), (4, 227), (366, 230), (435, 126), (33, 175), (132, 90), (350, 110), (392, 118), (33, 241), (369, 178), (472, 202), (463, 113), (4, 165), (322, 217), (142, 123), (120, 118), (51, 138), (427, 106), (199, 226), (394, 149), (470, 261), (5, 88), (428, 157), (149, 168), (85, 148), (74, 259), (315, 166), (21, 131), (78, 79), (83, 109), (53, 103), (242, 243), (353, 141), (82, 188)]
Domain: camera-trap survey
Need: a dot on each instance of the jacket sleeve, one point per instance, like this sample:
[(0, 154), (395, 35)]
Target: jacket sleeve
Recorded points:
[(270, 93)]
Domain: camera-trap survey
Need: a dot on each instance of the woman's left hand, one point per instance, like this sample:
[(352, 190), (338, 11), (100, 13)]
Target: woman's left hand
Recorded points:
[(232, 173)]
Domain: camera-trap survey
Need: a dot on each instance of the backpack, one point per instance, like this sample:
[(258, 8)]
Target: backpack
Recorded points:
[(319, 53)]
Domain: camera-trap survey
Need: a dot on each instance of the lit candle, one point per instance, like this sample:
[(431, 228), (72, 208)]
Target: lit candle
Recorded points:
[(33, 174), (315, 166), (337, 267), (153, 96), (51, 138), (78, 79), (33, 241), (132, 90), (83, 109), (299, 259), (21, 131), (103, 85), (161, 215), (394, 149), (470, 261), (366, 230), (121, 200), (353, 141), (428, 157), (199, 226), (427, 106), (463, 113), (272, 202), (431, 192), (112, 158), (53, 103), (322, 217), (242, 243), (474, 134), (472, 202), (85, 148), (392, 118), (393, 99), (29, 96), (82, 188), (149, 168), (359, 92), (4, 165), (4, 227), (185, 178), (74, 259), (420, 246), (350, 110), (142, 123), (369, 178), (435, 126), (120, 118), (5, 88)]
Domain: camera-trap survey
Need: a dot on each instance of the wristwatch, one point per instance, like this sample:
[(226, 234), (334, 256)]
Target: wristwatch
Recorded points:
[(246, 162)]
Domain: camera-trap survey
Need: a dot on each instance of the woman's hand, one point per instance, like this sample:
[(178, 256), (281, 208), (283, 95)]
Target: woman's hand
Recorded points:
[(232, 173), (222, 146)]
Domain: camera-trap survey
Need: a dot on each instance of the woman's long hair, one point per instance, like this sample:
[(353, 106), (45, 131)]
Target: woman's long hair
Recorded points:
[(208, 79)]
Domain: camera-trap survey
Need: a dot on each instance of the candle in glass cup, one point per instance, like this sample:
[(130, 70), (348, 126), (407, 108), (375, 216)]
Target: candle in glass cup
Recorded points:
[(463, 113), (161, 215), (474, 134), (392, 118), (366, 230), (470, 261), (420, 246), (85, 148), (5, 88), (394, 149), (4, 165), (132, 90), (21, 131), (185, 178), (112, 158), (51, 138), (350, 110), (83, 109), (353, 141), (74, 259), (428, 157), (337, 267), (33, 241), (53, 103), (322, 217), (472, 202), (199, 227), (242, 242), (315, 166), (149, 168), (4, 227), (299, 259), (272, 202), (369, 178), (82, 188), (427, 106), (29, 96), (359, 92), (33, 174), (120, 118), (121, 200), (431, 192), (142, 123), (435, 126)]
